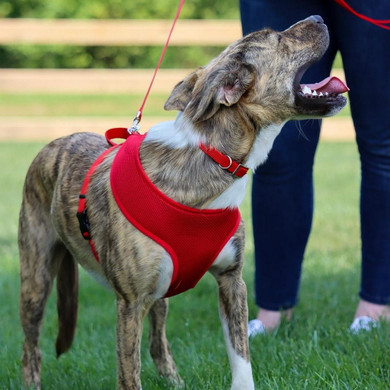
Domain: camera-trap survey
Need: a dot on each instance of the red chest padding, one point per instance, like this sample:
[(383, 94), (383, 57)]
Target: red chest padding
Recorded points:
[(192, 237)]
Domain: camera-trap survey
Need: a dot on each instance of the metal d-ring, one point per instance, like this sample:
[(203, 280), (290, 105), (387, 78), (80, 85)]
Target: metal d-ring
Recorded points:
[(230, 163)]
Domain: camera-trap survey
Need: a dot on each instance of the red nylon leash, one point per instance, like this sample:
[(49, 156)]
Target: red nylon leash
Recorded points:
[(137, 119), (379, 23)]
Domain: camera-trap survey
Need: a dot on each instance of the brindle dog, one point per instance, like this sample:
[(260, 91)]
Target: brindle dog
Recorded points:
[(237, 103)]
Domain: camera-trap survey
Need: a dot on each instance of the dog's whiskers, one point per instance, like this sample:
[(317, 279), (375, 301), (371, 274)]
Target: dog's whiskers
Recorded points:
[(300, 130)]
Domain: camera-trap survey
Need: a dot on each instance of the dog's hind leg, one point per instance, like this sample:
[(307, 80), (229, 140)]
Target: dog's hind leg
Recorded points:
[(159, 346), (35, 286), (38, 266)]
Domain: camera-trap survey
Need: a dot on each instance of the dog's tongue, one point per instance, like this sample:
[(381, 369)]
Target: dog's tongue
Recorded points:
[(331, 85)]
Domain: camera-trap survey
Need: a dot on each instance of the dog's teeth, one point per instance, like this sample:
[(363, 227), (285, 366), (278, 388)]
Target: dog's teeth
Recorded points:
[(306, 90), (326, 93), (321, 94), (314, 93)]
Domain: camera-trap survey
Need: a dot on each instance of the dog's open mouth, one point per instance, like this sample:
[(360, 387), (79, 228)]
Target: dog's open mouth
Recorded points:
[(330, 87), (321, 98)]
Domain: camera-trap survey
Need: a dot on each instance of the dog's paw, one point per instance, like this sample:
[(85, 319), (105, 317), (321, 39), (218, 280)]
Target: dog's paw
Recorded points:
[(177, 382)]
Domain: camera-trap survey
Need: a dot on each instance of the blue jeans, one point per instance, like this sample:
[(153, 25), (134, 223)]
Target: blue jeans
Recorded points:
[(282, 193)]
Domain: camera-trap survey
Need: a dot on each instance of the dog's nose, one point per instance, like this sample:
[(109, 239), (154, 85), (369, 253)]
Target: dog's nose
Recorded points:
[(316, 19)]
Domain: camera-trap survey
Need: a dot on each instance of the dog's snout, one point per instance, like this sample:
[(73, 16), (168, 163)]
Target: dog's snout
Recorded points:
[(315, 19)]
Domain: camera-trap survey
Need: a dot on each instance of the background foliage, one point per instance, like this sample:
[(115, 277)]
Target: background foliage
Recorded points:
[(60, 56), (117, 9)]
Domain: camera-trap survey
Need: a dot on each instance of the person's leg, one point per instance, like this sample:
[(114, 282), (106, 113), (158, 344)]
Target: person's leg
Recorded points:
[(365, 49), (278, 14), (282, 192)]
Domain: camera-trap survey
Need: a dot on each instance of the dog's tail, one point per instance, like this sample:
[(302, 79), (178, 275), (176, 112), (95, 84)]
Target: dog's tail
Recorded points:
[(67, 303)]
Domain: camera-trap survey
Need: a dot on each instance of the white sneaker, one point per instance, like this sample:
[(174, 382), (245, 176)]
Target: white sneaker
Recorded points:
[(362, 323), (256, 327)]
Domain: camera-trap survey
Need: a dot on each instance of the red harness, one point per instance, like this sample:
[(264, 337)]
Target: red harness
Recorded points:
[(192, 237)]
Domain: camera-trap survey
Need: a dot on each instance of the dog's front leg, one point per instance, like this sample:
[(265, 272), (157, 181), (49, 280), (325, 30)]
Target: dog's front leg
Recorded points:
[(129, 332), (159, 346), (233, 312)]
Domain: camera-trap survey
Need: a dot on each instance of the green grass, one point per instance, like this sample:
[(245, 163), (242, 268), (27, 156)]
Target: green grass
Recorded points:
[(74, 105), (53, 105), (313, 351)]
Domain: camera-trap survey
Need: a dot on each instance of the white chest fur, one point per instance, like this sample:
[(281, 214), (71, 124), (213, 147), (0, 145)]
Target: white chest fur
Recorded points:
[(235, 194), (263, 145)]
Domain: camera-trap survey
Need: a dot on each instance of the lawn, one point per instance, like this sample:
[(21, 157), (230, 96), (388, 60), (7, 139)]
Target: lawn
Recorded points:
[(313, 351), (74, 105)]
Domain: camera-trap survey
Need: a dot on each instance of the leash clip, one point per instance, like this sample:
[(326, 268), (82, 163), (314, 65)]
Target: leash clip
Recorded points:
[(134, 128)]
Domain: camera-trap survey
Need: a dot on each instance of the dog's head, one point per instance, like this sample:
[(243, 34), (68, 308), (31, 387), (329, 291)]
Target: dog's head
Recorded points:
[(259, 77)]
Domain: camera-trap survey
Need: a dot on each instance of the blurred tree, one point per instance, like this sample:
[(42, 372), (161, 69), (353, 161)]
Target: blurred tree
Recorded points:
[(41, 56), (117, 9)]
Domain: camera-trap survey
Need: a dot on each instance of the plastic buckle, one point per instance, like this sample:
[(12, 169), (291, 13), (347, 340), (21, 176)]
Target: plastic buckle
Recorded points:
[(85, 227)]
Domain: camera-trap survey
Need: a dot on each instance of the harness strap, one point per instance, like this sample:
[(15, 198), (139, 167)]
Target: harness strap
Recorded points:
[(224, 161), (117, 132), (82, 216)]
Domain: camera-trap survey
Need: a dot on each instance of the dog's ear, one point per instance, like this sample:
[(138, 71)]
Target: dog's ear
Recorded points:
[(224, 86), (182, 93)]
